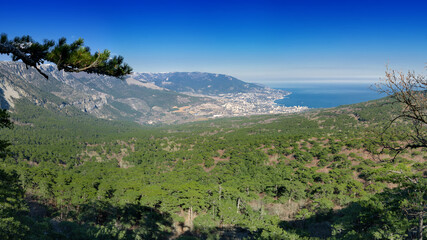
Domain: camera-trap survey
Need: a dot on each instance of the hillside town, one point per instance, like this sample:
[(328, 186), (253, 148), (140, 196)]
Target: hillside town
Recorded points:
[(242, 104)]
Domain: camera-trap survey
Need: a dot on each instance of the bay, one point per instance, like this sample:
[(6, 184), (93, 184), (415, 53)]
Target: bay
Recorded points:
[(327, 95)]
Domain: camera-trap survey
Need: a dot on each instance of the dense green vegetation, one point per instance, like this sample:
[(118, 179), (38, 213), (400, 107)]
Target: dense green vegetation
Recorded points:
[(320, 174)]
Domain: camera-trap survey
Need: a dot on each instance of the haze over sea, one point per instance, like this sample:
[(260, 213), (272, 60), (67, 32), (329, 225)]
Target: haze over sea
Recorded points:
[(326, 95)]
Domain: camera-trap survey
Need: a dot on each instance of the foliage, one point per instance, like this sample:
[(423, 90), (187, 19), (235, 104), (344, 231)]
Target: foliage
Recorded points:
[(74, 57), (4, 123), (293, 176)]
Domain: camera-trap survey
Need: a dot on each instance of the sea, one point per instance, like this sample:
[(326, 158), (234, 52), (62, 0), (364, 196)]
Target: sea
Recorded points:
[(327, 95)]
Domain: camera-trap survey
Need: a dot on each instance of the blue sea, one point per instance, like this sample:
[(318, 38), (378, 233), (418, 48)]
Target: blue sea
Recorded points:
[(326, 95)]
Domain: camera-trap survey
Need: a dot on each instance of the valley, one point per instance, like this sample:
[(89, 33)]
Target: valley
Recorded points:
[(318, 174), (89, 159)]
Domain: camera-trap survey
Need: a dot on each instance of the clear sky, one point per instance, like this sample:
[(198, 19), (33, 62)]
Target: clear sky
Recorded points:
[(257, 41)]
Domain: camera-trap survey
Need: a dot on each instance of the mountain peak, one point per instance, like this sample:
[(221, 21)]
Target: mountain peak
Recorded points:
[(198, 82)]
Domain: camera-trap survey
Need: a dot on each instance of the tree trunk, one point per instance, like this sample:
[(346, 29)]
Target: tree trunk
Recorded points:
[(421, 226), (190, 218), (262, 211), (238, 205), (276, 190)]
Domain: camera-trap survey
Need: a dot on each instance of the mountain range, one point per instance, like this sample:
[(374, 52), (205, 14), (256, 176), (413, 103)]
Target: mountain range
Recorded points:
[(197, 82), (141, 97)]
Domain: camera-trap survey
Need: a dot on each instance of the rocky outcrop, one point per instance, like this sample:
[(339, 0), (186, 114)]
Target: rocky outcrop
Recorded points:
[(101, 96)]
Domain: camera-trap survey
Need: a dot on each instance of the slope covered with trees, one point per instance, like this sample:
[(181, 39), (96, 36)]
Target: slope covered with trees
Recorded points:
[(319, 174)]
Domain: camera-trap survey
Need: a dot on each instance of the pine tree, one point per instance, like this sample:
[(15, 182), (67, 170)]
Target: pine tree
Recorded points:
[(4, 123), (74, 57)]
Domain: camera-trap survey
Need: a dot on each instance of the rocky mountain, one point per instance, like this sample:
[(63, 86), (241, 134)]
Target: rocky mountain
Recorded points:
[(197, 82), (101, 96), (145, 98)]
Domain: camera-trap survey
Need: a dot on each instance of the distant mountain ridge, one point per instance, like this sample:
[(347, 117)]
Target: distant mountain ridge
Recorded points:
[(197, 82), (141, 97), (101, 96)]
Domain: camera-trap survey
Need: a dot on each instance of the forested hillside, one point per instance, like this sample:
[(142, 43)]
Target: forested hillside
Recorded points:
[(320, 174)]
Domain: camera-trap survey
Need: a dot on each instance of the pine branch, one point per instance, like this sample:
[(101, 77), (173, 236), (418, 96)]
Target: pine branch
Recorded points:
[(72, 57)]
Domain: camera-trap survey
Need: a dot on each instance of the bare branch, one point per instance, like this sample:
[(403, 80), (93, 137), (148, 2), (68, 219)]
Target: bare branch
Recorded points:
[(410, 91)]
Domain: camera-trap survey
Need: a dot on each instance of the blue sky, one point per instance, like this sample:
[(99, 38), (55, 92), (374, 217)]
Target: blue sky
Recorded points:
[(257, 41)]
